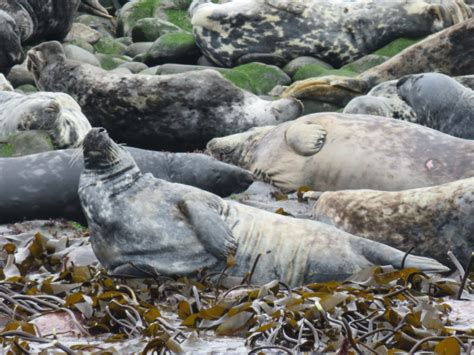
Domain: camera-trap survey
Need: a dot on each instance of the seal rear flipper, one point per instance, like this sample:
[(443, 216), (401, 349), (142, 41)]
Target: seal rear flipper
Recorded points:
[(211, 230), (381, 254), (305, 138)]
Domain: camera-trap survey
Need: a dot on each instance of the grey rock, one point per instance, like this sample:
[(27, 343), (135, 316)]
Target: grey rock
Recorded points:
[(104, 26), (19, 75), (138, 48), (204, 61), (312, 106), (79, 31), (166, 69), (150, 71), (81, 55), (292, 67), (124, 40), (134, 67), (121, 70), (25, 89)]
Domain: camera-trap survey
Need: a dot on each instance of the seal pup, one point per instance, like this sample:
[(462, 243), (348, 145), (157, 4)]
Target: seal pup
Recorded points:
[(27, 21), (140, 223), (333, 151), (168, 112), (277, 31), (433, 219), (450, 51), (57, 114), (44, 185)]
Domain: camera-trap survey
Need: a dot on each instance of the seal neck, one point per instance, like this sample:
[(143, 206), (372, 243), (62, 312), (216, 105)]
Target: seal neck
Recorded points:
[(115, 178)]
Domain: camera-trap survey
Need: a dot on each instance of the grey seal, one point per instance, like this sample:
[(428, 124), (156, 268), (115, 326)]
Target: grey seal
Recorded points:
[(440, 102), (27, 21), (57, 114), (44, 185), (434, 100), (333, 151), (338, 32), (450, 51), (170, 112), (140, 223), (433, 219)]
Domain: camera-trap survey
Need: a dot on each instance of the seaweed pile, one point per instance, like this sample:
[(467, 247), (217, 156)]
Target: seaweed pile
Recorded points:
[(51, 297)]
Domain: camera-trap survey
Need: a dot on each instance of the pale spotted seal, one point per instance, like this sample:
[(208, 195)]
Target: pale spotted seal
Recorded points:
[(171, 112), (433, 219), (44, 185), (57, 114), (432, 99), (27, 21), (338, 32), (450, 51), (138, 223), (331, 151)]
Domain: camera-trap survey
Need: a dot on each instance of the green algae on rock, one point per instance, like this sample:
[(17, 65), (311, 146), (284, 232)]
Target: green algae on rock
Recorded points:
[(177, 47), (395, 47), (257, 78)]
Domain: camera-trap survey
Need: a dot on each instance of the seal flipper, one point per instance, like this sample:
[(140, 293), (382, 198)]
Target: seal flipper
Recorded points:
[(216, 237), (305, 138)]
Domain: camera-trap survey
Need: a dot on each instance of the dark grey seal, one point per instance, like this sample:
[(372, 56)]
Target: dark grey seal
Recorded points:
[(27, 21), (171, 112), (433, 219), (440, 102), (138, 223), (45, 185), (338, 32), (434, 100)]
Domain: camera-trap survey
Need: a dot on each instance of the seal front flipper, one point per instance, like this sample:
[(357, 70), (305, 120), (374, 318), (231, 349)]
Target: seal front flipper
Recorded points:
[(215, 235), (305, 138), (334, 89)]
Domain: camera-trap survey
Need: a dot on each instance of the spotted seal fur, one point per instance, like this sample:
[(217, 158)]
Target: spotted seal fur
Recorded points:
[(57, 114), (333, 151), (27, 21), (450, 51), (140, 223), (44, 185), (170, 112), (338, 32), (433, 219)]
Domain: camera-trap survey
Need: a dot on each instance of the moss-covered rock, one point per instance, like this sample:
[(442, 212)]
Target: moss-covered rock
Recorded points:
[(109, 46), (28, 88), (178, 47), (365, 63), (317, 70), (395, 47), (27, 142), (257, 77), (292, 67), (140, 9), (133, 11), (109, 62), (149, 29)]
